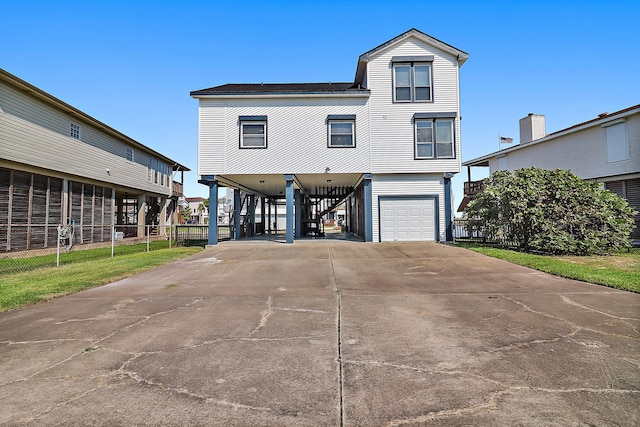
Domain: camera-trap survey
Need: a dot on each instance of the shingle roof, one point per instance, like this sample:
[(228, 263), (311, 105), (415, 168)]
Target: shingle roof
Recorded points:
[(285, 88)]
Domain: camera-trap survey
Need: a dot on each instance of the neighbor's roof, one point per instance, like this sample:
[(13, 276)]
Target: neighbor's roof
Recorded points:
[(279, 88), (57, 103), (602, 118), (364, 58)]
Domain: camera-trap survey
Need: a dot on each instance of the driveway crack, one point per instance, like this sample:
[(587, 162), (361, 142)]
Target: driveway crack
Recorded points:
[(338, 333)]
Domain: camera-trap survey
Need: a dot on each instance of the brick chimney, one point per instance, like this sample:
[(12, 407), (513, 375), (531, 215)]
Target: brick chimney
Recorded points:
[(532, 127)]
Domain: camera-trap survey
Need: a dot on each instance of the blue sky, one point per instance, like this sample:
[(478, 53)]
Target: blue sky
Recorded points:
[(131, 64)]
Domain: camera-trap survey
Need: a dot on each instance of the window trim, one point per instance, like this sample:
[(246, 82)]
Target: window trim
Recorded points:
[(434, 118), (411, 62), (251, 120), (341, 118), (126, 154)]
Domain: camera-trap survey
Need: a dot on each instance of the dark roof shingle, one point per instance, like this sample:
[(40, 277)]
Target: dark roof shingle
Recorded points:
[(257, 88)]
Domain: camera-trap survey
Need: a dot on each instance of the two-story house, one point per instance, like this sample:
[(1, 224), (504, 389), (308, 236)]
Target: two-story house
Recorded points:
[(387, 143), (604, 149), (60, 166)]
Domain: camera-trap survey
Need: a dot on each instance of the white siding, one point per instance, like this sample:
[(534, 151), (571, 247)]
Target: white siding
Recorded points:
[(296, 136), (392, 137), (37, 134), (583, 152), (406, 185)]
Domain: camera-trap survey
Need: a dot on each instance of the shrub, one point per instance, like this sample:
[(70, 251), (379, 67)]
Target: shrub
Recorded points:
[(551, 211)]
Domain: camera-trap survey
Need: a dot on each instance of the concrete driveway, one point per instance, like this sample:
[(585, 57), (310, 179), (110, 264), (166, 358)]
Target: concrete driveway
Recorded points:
[(326, 333)]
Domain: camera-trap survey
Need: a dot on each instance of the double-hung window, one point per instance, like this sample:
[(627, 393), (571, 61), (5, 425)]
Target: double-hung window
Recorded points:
[(434, 135), (253, 131), (412, 78), (341, 130)]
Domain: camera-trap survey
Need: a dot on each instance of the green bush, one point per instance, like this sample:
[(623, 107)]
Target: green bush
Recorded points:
[(550, 211)]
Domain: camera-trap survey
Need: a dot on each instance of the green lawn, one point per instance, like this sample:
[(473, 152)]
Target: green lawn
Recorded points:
[(45, 283), (619, 270)]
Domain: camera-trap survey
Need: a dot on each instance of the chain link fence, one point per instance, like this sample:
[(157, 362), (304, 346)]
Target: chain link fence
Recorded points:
[(26, 247), (29, 247)]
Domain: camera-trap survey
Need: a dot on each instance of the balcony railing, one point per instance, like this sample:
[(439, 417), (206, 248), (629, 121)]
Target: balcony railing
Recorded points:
[(178, 189), (471, 188)]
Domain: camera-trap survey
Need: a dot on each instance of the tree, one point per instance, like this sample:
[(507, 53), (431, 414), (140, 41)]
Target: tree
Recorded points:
[(186, 214), (550, 211)]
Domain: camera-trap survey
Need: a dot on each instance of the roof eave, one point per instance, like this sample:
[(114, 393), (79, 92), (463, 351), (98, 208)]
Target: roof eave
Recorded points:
[(69, 109), (284, 94)]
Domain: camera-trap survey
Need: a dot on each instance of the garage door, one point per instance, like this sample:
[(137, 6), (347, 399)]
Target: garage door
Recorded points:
[(407, 219)]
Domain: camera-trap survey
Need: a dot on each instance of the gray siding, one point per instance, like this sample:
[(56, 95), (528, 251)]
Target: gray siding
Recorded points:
[(36, 134)]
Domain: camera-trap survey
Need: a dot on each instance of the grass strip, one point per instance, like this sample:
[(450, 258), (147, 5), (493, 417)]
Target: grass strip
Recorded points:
[(51, 282), (620, 270)]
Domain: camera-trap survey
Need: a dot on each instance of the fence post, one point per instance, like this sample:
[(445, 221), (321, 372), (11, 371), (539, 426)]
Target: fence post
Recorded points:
[(170, 229), (148, 236), (113, 239), (58, 249)]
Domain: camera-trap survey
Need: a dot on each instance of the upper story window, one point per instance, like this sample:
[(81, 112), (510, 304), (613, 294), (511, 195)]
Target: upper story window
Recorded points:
[(412, 80), (616, 141), (74, 131), (253, 131), (129, 155), (434, 135), (341, 131)]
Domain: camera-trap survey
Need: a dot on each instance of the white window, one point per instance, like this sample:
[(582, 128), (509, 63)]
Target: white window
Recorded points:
[(129, 155), (253, 131), (75, 131), (617, 145), (412, 82), (161, 173), (434, 139), (341, 131), (149, 170)]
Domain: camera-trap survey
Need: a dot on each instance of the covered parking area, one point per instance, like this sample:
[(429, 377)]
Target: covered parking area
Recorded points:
[(306, 198)]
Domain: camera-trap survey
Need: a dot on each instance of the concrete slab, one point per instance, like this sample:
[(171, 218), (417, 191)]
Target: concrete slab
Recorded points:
[(333, 333)]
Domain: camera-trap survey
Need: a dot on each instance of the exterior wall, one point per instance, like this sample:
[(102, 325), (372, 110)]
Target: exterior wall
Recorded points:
[(296, 136), (35, 133), (583, 152), (407, 185), (392, 132)]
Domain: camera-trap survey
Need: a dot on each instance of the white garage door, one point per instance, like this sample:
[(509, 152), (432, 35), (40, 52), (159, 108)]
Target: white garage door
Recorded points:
[(406, 219)]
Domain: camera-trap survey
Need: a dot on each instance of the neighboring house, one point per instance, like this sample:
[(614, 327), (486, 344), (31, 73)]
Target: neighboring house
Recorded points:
[(60, 166), (387, 143), (199, 212), (605, 149)]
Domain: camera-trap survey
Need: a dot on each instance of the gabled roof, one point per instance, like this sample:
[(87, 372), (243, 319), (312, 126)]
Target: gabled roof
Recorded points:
[(364, 58), (61, 105), (602, 118), (279, 88)]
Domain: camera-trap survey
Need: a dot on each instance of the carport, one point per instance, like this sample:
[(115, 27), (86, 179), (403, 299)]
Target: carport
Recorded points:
[(307, 199)]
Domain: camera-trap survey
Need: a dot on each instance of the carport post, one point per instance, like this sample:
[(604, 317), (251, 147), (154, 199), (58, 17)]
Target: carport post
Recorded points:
[(252, 215), (289, 195), (296, 193), (237, 207), (448, 225), (262, 214), (368, 208), (213, 212), (213, 207)]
